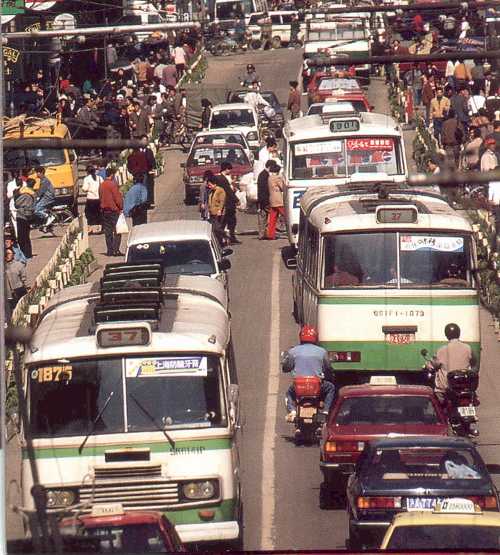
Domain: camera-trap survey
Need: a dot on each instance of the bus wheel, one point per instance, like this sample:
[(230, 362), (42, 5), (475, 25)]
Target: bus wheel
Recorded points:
[(276, 42), (256, 44)]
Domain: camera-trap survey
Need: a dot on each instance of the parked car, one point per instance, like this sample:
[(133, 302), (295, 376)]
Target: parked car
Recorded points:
[(458, 524), (277, 121), (120, 531), (365, 412), (210, 157), (183, 247), (238, 116), (395, 475)]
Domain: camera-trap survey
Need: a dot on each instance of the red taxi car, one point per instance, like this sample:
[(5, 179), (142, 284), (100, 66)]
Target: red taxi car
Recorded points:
[(209, 157), (122, 531), (365, 412), (339, 88)]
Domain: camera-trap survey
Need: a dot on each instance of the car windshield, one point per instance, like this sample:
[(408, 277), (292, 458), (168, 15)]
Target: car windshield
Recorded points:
[(435, 536), (338, 158), (132, 538), (423, 463), (234, 139), (33, 157), (386, 409), (86, 397), (215, 155), (176, 257), (375, 260), (232, 118)]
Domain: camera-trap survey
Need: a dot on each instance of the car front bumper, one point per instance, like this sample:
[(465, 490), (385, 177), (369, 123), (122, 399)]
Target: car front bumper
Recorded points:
[(330, 469), (208, 532)]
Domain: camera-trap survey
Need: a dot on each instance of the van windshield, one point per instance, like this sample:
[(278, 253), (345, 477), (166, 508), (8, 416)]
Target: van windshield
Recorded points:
[(85, 397), (232, 118), (392, 260), (229, 10), (176, 257), (33, 157)]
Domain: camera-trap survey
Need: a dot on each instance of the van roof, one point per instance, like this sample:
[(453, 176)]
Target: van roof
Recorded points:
[(34, 128), (232, 106), (172, 230), (193, 318)]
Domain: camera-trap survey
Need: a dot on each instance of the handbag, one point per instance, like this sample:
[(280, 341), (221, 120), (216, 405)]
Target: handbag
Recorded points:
[(121, 224)]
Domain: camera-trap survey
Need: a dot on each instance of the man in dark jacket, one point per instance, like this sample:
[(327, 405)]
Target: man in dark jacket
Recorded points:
[(451, 137), (231, 202), (139, 121), (263, 200)]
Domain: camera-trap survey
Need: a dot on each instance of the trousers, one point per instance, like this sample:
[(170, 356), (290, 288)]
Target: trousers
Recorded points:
[(113, 239), (262, 218), (274, 213)]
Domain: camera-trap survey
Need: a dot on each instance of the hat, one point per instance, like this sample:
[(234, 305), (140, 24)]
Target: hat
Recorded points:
[(490, 141), (119, 97)]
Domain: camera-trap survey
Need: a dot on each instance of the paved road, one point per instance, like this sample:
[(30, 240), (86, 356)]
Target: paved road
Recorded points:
[(281, 481)]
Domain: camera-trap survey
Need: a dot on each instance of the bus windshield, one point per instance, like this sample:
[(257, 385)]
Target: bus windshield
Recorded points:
[(397, 260), (342, 157), (117, 395)]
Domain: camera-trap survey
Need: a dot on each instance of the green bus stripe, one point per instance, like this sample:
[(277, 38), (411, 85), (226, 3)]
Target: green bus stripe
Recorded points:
[(442, 301), (155, 447)]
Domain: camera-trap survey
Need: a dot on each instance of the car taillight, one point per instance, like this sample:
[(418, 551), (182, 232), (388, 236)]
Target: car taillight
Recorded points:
[(379, 503), (344, 356), (484, 501), (343, 446), (464, 402)]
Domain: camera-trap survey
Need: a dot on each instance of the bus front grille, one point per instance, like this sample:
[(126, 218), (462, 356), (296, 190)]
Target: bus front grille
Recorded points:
[(150, 494), (137, 471)]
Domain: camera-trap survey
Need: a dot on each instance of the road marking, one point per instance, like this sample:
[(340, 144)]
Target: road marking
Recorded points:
[(268, 494)]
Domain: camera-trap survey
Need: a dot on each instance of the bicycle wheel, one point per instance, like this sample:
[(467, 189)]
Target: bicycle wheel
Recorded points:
[(63, 216)]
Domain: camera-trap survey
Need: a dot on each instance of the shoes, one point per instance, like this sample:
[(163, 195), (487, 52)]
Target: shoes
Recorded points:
[(290, 417), (118, 253)]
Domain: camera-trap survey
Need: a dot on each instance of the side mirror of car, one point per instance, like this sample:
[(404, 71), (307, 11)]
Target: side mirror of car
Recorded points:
[(227, 252), (224, 265), (424, 352)]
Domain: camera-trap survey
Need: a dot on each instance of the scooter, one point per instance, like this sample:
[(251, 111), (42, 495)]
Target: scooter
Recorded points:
[(460, 400), (309, 418)]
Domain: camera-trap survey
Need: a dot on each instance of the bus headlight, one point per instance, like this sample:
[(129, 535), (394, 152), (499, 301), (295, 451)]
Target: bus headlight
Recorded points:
[(200, 489), (60, 498)]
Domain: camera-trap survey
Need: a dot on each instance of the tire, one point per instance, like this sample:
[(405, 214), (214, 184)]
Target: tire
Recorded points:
[(325, 497), (354, 541), (276, 42), (219, 50), (256, 44)]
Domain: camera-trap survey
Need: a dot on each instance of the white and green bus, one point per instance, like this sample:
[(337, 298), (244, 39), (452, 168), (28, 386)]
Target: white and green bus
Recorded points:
[(340, 145), (380, 274), (133, 399)]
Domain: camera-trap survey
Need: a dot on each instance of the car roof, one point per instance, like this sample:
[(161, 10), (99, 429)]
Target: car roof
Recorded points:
[(232, 106), (446, 442), (365, 390), (429, 518), (219, 132), (180, 230)]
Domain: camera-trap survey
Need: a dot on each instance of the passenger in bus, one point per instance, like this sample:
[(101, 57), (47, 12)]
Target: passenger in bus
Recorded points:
[(341, 277), (393, 277)]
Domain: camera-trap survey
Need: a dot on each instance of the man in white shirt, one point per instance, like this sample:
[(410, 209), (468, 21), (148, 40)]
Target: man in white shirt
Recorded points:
[(489, 160), (476, 102)]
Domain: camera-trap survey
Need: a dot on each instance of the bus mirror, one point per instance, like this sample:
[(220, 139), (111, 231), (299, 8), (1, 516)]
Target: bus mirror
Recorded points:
[(295, 228), (234, 393), (71, 156), (291, 263), (424, 352)]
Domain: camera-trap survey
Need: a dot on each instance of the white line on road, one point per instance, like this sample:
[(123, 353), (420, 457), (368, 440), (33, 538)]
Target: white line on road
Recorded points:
[(268, 493)]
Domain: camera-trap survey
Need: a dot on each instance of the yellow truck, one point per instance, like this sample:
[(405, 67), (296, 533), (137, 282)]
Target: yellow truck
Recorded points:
[(60, 163)]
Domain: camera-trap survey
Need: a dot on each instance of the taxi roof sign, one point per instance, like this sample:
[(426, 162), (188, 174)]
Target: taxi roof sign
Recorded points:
[(107, 509), (383, 380), (456, 505)]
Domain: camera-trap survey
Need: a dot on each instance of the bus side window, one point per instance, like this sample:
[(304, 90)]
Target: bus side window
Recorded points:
[(313, 246), (309, 250), (302, 235)]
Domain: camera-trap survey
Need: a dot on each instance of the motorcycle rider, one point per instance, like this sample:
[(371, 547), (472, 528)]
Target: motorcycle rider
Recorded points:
[(45, 198), (308, 359), (251, 77), (455, 355)]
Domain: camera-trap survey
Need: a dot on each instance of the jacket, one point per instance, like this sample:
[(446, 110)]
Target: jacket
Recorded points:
[(451, 132), (139, 124), (294, 101), (439, 107), (110, 196), (136, 196), (307, 359), (231, 201), (275, 184), (46, 195), (216, 201), (263, 190), (24, 203)]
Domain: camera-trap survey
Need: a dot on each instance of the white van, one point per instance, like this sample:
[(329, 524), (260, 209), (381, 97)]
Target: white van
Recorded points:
[(239, 116), (183, 247), (281, 29)]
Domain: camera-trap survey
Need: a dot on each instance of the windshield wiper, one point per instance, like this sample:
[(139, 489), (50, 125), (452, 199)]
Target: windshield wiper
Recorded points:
[(153, 420), (94, 423)]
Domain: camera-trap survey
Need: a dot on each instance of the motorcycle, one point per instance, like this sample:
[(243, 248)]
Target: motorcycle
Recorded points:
[(460, 399), (57, 215), (309, 418), (227, 42)]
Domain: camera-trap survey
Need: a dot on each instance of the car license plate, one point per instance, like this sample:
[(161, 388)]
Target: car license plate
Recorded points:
[(422, 503), (467, 411), (400, 338), (307, 412)]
